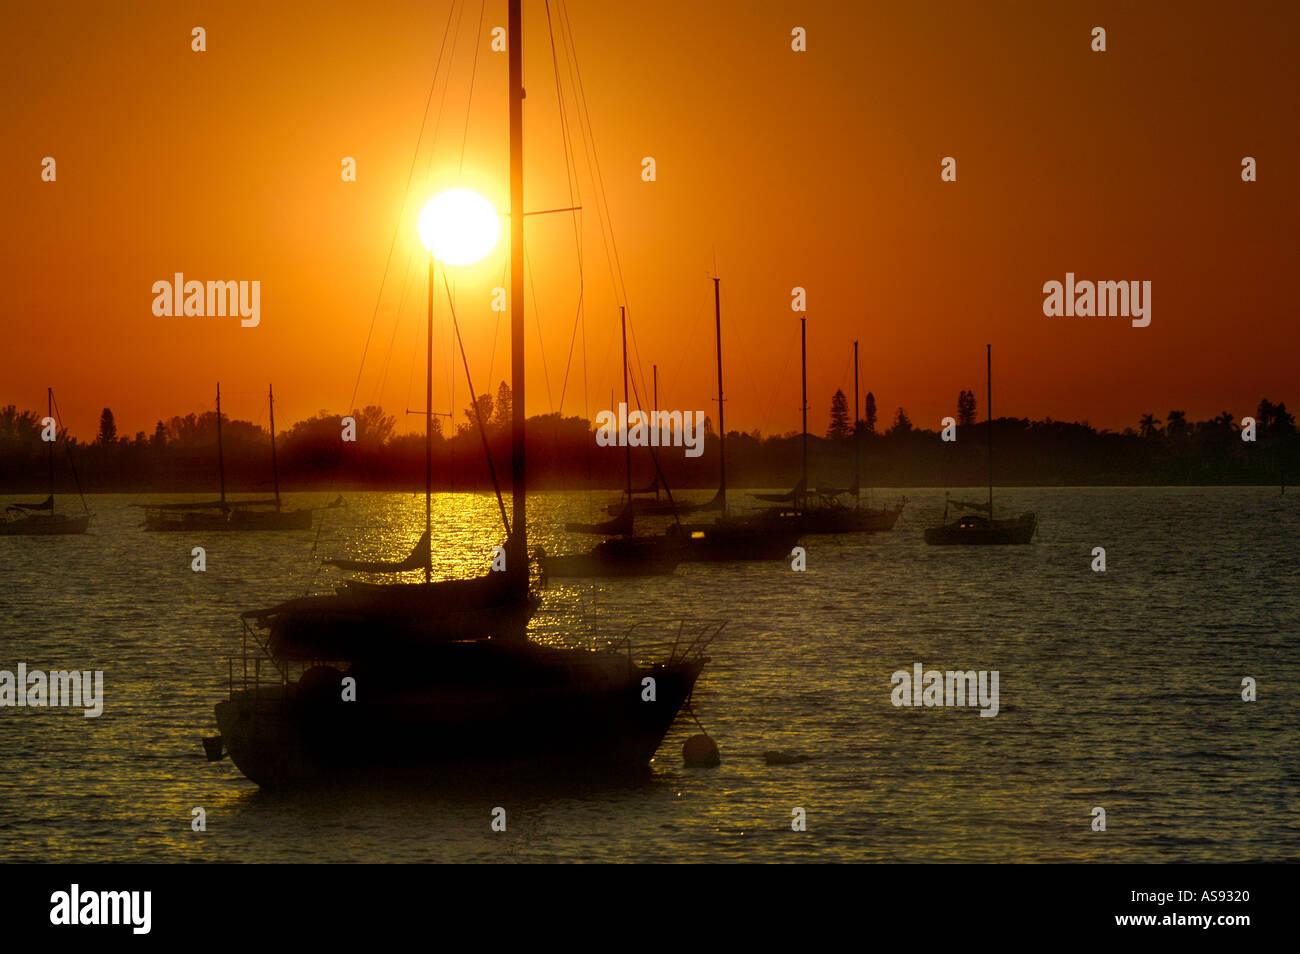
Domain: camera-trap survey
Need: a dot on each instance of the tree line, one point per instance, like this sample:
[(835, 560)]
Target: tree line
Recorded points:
[(180, 454)]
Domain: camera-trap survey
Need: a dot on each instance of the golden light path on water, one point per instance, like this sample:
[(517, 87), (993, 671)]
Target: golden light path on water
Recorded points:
[(1119, 689)]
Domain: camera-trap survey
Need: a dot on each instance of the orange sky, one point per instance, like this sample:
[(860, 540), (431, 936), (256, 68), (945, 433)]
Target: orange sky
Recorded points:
[(818, 169)]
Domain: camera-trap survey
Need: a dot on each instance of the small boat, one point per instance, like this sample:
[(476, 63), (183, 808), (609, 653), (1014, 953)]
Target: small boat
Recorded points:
[(974, 529), (223, 514), (812, 512), (731, 537), (628, 554), (41, 519)]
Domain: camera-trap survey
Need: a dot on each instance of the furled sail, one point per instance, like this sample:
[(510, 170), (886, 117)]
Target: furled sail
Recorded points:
[(969, 505), (620, 525), (417, 559), (789, 497), (46, 504)]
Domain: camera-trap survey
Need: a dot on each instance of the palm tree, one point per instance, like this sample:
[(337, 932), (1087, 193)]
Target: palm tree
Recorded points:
[(1149, 425), (1177, 424)]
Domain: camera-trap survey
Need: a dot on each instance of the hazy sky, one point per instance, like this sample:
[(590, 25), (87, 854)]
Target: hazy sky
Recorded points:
[(818, 169)]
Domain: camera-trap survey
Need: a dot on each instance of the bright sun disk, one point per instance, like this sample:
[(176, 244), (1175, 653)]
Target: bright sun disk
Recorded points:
[(459, 227)]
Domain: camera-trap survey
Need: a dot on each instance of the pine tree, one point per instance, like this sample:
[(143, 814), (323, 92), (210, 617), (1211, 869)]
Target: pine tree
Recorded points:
[(869, 413), (966, 408), (839, 427), (107, 427)]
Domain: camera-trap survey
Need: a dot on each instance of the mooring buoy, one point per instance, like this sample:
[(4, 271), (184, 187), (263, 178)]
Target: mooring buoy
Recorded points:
[(700, 750)]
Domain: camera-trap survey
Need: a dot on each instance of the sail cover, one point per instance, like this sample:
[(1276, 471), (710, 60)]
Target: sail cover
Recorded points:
[(417, 559), (969, 505), (790, 497), (46, 504)]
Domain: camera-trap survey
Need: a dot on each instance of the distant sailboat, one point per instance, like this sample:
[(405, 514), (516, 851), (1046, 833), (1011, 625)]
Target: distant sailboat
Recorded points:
[(730, 538), (812, 512), (223, 514), (977, 530), (425, 702), (879, 519), (627, 554), (41, 519)]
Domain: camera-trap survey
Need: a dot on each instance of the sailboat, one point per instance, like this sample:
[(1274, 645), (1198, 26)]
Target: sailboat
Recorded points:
[(975, 529), (225, 514), (879, 519), (812, 512), (730, 537), (41, 519), (626, 553), (492, 696)]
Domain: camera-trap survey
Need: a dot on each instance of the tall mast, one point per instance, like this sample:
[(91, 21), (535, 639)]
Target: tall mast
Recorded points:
[(275, 467), (221, 456), (518, 480), (988, 370), (627, 448), (857, 432), (803, 361), (49, 400), (428, 432), (722, 427)]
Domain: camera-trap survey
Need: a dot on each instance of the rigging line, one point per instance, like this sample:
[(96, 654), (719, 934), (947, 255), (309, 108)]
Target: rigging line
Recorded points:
[(616, 262), (397, 321), (58, 417), (469, 99), (537, 316), (616, 265), (442, 103), (405, 198), (588, 143), (397, 226), (478, 412), (575, 201)]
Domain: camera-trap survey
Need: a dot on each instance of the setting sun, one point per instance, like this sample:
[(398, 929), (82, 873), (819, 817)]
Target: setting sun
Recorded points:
[(459, 227)]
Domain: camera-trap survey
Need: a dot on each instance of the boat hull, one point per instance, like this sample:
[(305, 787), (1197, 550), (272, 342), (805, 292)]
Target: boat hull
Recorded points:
[(616, 558), (472, 704), (45, 525), (725, 542), (985, 532)]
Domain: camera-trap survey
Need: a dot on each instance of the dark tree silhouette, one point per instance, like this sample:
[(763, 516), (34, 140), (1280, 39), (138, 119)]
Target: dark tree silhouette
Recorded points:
[(107, 427), (1149, 426), (966, 408), (839, 427), (902, 423), (869, 413)]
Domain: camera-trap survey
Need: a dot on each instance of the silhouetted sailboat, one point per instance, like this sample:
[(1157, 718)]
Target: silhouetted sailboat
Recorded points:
[(804, 511), (41, 519), (730, 537), (627, 554), (983, 530), (493, 697), (879, 519), (230, 515)]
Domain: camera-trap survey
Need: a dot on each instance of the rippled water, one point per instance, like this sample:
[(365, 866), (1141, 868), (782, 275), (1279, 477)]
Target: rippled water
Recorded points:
[(1119, 689)]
